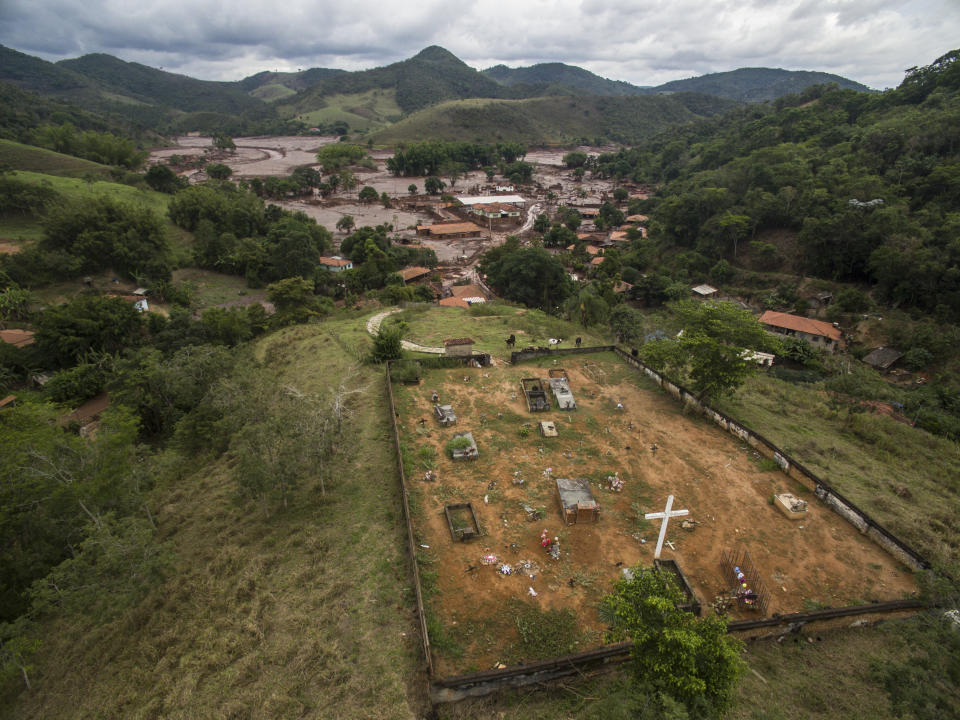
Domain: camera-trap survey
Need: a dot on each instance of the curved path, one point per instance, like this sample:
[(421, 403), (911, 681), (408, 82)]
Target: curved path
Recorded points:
[(373, 327)]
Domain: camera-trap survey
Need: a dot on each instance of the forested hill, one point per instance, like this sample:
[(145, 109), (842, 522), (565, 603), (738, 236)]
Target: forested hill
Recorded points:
[(157, 87), (754, 85), (832, 183), (430, 77), (561, 74)]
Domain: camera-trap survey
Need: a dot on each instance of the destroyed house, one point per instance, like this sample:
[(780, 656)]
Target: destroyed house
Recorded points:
[(560, 385), (535, 393)]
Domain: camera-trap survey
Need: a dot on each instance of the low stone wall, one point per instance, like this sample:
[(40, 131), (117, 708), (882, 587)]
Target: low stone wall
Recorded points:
[(531, 354)]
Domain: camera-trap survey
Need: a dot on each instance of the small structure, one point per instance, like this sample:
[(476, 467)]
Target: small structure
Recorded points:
[(760, 358), (548, 428), (496, 211), (747, 586), (454, 302), (445, 415), (705, 291), (86, 418), (458, 347), (791, 506), (535, 394), (815, 332), (462, 521), (560, 385), (882, 358), (471, 200), (577, 504), (464, 449), (336, 263), (451, 230), (8, 401), (411, 274)]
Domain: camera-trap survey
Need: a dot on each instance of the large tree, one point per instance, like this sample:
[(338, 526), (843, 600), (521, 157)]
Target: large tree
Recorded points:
[(529, 275), (712, 350)]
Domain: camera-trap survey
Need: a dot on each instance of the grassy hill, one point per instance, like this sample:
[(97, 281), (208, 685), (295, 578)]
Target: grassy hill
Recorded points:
[(564, 75), (18, 156), (757, 84), (549, 120), (371, 109)]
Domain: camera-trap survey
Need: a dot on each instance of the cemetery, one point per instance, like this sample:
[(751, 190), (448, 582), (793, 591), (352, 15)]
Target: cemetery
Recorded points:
[(554, 518)]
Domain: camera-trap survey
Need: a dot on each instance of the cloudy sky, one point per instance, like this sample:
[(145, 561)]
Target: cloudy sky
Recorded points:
[(646, 42)]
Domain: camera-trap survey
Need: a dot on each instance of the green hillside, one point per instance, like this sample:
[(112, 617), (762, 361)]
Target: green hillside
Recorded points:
[(563, 75), (295, 81), (757, 84), (18, 156), (157, 87), (32, 73), (361, 111), (550, 120), (430, 77)]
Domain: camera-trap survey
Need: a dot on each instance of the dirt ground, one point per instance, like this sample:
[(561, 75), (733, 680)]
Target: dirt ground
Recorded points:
[(819, 561), (255, 156)]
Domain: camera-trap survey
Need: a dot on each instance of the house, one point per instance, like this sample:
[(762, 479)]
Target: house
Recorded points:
[(622, 287), (450, 231), (469, 293), (882, 358), (704, 291), (598, 260), (336, 263), (587, 212), (17, 338), (496, 211), (817, 333), (618, 236), (454, 302), (637, 218), (458, 347), (87, 416), (412, 274)]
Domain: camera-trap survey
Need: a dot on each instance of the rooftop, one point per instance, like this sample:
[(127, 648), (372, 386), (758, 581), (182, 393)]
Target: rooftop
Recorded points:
[(335, 261), (17, 338), (800, 324), (453, 228), (483, 199), (454, 302), (467, 291), (412, 273)]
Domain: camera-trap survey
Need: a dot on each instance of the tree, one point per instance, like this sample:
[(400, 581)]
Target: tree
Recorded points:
[(385, 200), (433, 185), (588, 308), (368, 194), (575, 159), (88, 323), (387, 345), (711, 351), (626, 324), (412, 188), (338, 155), (691, 660), (529, 275), (620, 194), (346, 223), (735, 227), (541, 224), (218, 171), (162, 179), (224, 142)]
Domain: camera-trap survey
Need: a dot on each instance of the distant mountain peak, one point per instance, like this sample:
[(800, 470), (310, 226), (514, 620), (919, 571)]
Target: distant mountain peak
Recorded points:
[(435, 53)]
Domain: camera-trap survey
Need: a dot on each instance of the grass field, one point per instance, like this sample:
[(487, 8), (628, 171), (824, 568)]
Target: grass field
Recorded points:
[(273, 92), (489, 325), (35, 159), (368, 110), (906, 478)]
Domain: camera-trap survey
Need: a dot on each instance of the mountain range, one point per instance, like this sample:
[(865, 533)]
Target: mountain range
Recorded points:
[(368, 100)]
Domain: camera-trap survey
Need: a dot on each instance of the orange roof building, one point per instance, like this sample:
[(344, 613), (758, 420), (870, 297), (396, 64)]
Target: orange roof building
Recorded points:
[(454, 302), (450, 230), (473, 293), (816, 332), (414, 273)]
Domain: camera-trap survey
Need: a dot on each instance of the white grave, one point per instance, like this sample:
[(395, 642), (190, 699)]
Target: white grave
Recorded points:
[(665, 516)]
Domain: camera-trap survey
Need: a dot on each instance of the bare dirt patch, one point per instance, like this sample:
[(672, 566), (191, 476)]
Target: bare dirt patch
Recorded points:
[(821, 561)]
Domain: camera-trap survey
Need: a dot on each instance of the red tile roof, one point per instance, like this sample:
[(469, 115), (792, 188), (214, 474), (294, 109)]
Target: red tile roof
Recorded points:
[(335, 262), (18, 338), (467, 291), (441, 229), (454, 302), (800, 324)]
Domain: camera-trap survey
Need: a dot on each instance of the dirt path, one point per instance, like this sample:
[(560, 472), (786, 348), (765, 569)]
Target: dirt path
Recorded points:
[(373, 327)]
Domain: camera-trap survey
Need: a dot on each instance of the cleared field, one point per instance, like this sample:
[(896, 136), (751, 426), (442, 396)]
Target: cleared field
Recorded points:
[(368, 110), (35, 159), (820, 561)]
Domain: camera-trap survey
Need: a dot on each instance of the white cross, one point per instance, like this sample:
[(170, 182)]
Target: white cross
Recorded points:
[(665, 516)]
